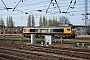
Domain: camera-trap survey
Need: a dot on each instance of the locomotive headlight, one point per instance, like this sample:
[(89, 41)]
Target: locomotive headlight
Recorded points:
[(73, 29)]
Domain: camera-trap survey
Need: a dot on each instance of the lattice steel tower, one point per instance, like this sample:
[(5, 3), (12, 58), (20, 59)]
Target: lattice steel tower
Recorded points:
[(86, 12)]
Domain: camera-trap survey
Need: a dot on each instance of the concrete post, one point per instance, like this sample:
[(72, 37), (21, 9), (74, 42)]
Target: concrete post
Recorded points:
[(32, 38), (49, 39), (42, 43), (61, 39)]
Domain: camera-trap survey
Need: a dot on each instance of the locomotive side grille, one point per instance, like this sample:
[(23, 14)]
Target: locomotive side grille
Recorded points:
[(32, 30), (58, 30)]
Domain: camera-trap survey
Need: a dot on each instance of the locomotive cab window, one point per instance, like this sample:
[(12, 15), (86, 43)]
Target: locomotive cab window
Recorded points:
[(58, 30), (32, 30), (68, 29)]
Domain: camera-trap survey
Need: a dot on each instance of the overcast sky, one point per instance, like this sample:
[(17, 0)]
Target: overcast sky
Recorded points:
[(31, 6)]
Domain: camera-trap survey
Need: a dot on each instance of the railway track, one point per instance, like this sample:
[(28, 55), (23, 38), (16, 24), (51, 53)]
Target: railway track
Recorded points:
[(16, 54), (32, 52), (72, 49), (52, 50), (19, 54)]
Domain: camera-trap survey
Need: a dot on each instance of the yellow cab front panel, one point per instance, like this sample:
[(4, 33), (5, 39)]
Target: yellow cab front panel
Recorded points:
[(67, 31), (26, 30)]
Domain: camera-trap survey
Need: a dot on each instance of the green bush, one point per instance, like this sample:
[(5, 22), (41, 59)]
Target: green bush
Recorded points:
[(19, 42), (39, 41), (11, 41), (15, 42)]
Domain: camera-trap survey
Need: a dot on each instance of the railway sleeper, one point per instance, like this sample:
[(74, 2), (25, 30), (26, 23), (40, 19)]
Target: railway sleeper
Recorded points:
[(35, 56), (15, 54), (39, 55), (12, 57), (79, 55), (57, 53), (21, 55), (58, 48), (2, 58)]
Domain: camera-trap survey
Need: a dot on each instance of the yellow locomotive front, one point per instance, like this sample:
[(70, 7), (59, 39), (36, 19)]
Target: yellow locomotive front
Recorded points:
[(1, 31), (26, 32), (69, 32)]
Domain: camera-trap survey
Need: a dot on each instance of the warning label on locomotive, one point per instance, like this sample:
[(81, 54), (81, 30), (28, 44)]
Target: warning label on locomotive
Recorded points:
[(43, 30)]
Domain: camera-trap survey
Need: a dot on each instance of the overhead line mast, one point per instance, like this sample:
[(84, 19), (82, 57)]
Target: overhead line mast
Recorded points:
[(86, 13)]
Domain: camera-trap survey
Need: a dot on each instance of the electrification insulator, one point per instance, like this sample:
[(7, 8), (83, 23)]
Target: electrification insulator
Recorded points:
[(72, 7), (75, 2), (63, 12), (51, 0), (53, 4), (71, 2), (39, 10), (55, 1), (26, 13), (22, 0)]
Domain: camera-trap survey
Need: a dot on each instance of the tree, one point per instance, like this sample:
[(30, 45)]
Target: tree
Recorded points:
[(64, 20), (12, 23), (40, 21), (33, 20), (9, 22), (2, 23), (29, 21), (56, 22), (44, 21), (52, 22)]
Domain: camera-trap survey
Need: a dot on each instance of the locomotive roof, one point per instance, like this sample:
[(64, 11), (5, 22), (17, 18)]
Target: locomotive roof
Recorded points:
[(50, 27)]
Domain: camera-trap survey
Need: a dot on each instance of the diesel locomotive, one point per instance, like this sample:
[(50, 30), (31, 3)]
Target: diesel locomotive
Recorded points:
[(64, 31)]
